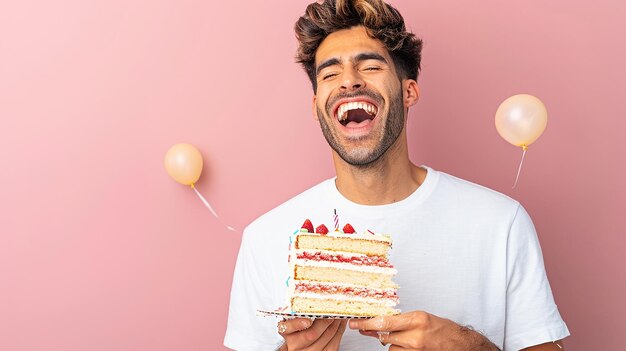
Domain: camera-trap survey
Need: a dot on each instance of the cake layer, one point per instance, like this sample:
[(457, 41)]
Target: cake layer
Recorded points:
[(304, 304), (330, 274), (367, 235), (343, 257), (346, 266), (345, 244), (345, 290), (340, 272), (389, 302)]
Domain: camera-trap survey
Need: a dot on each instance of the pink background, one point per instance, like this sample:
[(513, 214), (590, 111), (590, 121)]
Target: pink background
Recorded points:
[(101, 250)]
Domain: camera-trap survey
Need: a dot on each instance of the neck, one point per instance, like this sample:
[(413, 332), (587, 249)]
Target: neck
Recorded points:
[(389, 179)]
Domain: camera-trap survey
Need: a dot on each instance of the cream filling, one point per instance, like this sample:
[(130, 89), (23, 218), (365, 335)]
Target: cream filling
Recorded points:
[(330, 252), (344, 285), (362, 236), (382, 301), (346, 266), (367, 235)]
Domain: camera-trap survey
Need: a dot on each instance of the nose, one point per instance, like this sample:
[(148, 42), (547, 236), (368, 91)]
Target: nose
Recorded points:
[(351, 79)]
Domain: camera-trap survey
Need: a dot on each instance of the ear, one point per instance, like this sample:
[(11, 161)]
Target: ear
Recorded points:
[(315, 116), (410, 92)]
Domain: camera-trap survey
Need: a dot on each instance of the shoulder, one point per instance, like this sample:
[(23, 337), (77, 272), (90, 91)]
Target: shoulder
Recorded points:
[(474, 198), (481, 211)]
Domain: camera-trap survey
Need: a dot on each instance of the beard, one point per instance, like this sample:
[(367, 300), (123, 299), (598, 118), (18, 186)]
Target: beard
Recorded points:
[(360, 154)]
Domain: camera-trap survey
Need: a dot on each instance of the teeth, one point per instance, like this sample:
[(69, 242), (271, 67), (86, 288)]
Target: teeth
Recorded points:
[(344, 108)]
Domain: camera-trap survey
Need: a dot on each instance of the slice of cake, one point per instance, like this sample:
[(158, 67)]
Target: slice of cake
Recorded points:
[(340, 272)]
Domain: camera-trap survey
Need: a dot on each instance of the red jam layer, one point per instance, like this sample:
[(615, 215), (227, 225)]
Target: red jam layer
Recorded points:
[(378, 261), (344, 290)]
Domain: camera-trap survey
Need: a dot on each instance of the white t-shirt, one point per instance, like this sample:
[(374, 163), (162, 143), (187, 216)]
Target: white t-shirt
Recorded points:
[(462, 251)]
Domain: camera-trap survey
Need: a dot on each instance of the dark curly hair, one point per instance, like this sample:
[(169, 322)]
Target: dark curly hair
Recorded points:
[(381, 20)]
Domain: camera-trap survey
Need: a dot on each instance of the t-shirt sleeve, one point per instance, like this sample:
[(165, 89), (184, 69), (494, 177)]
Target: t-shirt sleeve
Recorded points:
[(532, 317), (246, 330)]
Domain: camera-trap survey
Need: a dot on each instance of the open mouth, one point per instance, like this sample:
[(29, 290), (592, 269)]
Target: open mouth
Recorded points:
[(354, 114)]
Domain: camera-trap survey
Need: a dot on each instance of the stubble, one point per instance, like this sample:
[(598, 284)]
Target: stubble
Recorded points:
[(353, 151)]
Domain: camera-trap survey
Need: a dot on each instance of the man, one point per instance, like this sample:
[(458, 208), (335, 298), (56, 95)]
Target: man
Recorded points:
[(469, 265)]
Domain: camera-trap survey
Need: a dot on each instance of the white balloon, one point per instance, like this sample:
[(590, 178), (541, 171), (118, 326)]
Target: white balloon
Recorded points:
[(521, 119)]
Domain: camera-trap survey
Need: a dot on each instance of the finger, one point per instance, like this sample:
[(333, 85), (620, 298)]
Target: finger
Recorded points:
[(291, 326), (403, 339), (303, 339), (324, 338), (383, 337), (397, 322), (317, 329), (333, 344)]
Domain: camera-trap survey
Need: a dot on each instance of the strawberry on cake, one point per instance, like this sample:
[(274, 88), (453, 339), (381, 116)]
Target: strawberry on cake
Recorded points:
[(340, 272)]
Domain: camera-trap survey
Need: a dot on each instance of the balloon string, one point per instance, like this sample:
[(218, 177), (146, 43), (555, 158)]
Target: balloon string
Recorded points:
[(211, 209), (519, 169)]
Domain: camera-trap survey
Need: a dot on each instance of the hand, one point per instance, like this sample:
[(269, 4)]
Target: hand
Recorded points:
[(304, 334), (419, 330)]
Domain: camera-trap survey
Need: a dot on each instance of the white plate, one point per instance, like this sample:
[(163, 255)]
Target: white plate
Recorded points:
[(290, 315)]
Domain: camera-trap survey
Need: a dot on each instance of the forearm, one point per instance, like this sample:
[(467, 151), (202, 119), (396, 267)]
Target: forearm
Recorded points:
[(467, 338)]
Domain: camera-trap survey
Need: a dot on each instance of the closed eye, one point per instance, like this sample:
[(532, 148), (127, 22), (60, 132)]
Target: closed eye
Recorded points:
[(328, 76)]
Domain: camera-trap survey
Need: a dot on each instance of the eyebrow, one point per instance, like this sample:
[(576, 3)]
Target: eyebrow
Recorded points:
[(370, 56), (330, 62), (358, 58)]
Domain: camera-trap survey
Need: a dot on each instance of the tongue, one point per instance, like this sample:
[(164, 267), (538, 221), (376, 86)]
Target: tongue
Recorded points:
[(358, 124), (358, 118)]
